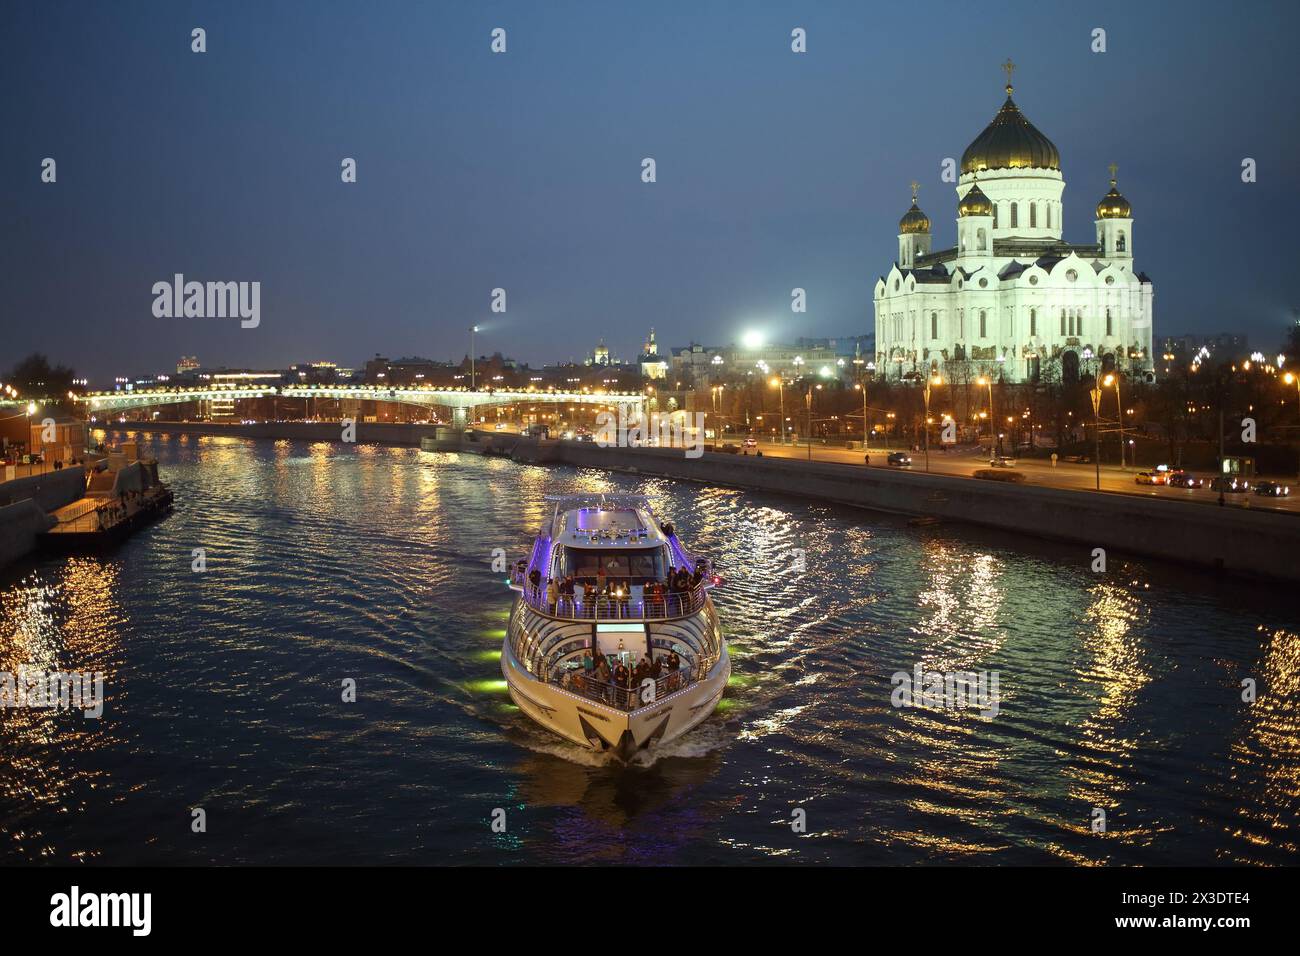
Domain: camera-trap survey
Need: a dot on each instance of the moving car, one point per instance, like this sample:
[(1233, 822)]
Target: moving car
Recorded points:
[(500, 426), (1002, 461), (900, 459), (1230, 486), (1149, 478), (751, 442), (1181, 479), (1271, 489)]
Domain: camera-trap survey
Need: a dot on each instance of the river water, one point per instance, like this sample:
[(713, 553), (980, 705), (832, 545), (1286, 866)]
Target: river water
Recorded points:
[(1120, 694)]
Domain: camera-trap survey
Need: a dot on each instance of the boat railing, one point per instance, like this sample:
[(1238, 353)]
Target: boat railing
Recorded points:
[(620, 696), (626, 603)]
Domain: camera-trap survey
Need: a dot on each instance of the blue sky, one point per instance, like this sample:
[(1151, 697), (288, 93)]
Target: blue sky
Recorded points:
[(522, 170)]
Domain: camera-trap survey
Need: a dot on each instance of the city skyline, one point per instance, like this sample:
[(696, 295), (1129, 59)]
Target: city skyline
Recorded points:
[(479, 171)]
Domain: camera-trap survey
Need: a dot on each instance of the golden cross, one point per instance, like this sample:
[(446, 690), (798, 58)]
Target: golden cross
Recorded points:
[(915, 187), (1113, 170), (1010, 68)]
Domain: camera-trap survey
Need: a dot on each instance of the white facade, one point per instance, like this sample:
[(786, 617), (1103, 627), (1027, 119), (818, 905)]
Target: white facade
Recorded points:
[(1011, 299)]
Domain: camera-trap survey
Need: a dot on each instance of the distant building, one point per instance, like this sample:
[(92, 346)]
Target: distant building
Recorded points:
[(1012, 296), (653, 365), (187, 363)]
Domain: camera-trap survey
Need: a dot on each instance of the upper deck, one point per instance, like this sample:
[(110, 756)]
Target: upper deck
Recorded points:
[(617, 559)]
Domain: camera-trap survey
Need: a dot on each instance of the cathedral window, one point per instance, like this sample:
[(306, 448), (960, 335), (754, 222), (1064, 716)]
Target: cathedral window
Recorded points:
[(1049, 215), (983, 325), (981, 239), (1033, 215), (934, 325), (1033, 321), (995, 215), (1109, 327), (1120, 244), (1014, 217), (1062, 321)]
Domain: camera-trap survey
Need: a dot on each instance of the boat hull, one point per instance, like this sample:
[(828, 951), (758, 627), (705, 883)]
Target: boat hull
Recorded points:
[(599, 727)]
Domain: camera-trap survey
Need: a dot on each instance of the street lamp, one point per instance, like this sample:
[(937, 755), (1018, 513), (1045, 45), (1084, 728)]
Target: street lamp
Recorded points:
[(472, 330), (865, 440), (1096, 428), (779, 383), (1119, 412), (934, 380), (1290, 378), (986, 380)]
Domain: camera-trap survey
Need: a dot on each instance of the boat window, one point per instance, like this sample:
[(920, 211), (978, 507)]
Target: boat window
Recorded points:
[(639, 564)]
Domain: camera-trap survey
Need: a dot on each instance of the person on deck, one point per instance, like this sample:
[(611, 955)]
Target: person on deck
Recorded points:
[(552, 594)]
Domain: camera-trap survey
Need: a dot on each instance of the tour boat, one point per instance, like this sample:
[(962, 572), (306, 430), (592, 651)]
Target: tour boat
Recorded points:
[(635, 612)]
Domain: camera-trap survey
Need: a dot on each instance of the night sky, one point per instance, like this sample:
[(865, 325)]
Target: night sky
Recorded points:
[(522, 170)]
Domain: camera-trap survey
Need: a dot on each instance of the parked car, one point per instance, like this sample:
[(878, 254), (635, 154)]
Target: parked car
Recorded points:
[(1181, 479), (1229, 485), (1271, 489), (900, 459)]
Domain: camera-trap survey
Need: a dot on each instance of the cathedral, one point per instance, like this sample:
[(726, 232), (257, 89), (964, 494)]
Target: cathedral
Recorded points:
[(1012, 300)]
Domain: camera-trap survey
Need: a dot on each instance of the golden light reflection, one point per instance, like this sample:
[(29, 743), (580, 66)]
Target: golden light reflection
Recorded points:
[(1114, 671), (1268, 747), (66, 621)]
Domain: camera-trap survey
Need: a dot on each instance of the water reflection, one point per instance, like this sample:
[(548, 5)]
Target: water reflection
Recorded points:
[(328, 561)]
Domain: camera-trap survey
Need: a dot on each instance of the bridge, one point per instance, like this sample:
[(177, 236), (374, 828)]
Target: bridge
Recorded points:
[(459, 400)]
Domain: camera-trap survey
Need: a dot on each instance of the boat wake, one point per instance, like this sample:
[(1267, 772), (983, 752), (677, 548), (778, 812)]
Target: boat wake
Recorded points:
[(708, 737)]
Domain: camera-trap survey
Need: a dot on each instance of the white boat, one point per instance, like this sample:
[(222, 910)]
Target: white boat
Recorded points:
[(638, 615)]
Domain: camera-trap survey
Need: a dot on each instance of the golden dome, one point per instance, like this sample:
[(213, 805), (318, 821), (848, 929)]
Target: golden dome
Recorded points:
[(914, 221), (1010, 142), (1113, 205), (975, 203)]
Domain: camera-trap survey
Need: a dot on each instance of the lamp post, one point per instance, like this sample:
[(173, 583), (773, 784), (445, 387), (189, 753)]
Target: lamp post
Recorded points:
[(1096, 429), (932, 380), (472, 330), (1119, 411), (986, 380), (1290, 378), (808, 404), (779, 384), (865, 439)]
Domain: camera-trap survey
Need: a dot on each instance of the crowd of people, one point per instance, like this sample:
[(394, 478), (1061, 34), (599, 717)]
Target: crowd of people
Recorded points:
[(601, 679), (566, 595)]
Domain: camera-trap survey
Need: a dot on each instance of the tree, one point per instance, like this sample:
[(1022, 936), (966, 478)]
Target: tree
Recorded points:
[(1291, 344), (35, 376)]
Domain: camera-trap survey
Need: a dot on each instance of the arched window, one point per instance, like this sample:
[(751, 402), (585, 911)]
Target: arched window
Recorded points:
[(1033, 321), (1049, 215), (980, 240), (1109, 327), (983, 325), (1062, 321), (934, 325), (1033, 215), (1014, 216), (1120, 244), (995, 215)]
